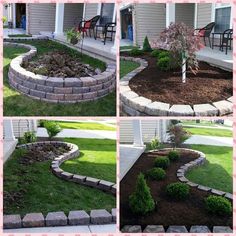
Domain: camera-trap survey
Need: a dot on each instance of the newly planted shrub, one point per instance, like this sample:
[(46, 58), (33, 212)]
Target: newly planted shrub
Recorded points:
[(176, 135), (52, 128), (177, 190), (30, 137), (173, 155), (218, 205), (164, 63), (163, 54), (162, 162), (141, 201), (135, 52), (156, 52), (146, 45), (154, 144), (156, 173)]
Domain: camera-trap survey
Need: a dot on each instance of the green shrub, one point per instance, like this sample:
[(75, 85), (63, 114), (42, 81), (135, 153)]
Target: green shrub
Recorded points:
[(173, 155), (164, 63), (154, 144), (141, 201), (218, 205), (163, 54), (41, 123), (177, 190), (30, 137), (52, 128), (146, 45), (4, 19), (156, 173), (135, 52), (162, 162), (156, 52)]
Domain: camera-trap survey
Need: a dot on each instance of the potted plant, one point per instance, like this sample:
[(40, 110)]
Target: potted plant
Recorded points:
[(73, 36)]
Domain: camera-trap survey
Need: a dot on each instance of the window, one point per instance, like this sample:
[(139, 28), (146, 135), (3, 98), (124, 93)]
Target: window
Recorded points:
[(222, 19), (107, 10)]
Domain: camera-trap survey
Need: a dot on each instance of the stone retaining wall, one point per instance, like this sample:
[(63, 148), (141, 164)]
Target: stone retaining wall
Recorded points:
[(58, 90), (134, 105), (98, 216), (100, 184)]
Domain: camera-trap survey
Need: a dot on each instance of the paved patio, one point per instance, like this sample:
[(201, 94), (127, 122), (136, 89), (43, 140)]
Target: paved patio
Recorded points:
[(128, 156), (6, 32)]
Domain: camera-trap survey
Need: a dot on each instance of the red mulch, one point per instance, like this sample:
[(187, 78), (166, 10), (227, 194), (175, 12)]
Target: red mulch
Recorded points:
[(211, 84), (168, 212)]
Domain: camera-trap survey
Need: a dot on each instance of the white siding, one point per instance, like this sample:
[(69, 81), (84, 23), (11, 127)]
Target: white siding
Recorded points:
[(41, 17), (73, 14), (184, 12), (203, 14), (150, 129), (150, 20), (90, 10)]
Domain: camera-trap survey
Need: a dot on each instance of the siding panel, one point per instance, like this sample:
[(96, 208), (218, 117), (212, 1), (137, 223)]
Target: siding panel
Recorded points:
[(203, 14), (184, 12), (90, 10)]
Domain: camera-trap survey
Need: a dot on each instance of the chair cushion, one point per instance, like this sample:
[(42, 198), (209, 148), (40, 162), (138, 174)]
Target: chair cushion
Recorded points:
[(201, 32)]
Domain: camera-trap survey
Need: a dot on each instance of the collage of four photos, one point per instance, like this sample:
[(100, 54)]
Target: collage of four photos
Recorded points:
[(117, 117)]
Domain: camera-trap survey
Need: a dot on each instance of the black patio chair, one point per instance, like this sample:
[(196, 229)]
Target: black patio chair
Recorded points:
[(226, 40), (205, 32), (108, 31)]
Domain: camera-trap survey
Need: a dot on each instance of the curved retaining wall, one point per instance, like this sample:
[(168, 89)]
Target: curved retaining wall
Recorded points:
[(73, 153), (134, 105), (58, 90)]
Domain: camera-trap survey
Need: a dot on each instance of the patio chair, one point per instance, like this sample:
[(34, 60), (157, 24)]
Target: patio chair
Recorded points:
[(86, 26), (226, 40), (109, 30), (205, 32)]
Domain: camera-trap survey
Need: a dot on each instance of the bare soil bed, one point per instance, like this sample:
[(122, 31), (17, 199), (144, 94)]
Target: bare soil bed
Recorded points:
[(168, 212), (210, 84), (60, 64)]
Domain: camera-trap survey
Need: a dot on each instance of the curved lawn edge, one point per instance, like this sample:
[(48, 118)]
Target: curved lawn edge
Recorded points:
[(135, 105)]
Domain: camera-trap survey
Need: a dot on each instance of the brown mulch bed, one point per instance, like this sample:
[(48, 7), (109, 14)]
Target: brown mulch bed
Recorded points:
[(168, 212), (211, 84)]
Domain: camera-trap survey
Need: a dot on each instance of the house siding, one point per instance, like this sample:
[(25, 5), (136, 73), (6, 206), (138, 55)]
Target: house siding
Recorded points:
[(41, 17), (73, 14), (149, 128), (150, 19), (90, 10), (203, 14), (184, 12)]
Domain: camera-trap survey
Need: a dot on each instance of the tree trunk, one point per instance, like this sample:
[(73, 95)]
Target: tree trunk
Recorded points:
[(183, 68)]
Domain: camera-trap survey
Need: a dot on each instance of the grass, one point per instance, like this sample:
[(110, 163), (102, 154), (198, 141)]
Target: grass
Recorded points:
[(209, 132), (44, 192), (16, 104), (126, 67), (130, 47), (18, 35), (97, 159), (217, 172), (85, 125)]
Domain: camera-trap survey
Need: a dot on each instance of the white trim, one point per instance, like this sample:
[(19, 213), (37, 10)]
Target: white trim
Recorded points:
[(213, 12), (137, 131), (14, 15), (114, 14), (195, 15), (99, 9), (8, 130), (170, 13), (84, 10), (135, 43), (59, 18)]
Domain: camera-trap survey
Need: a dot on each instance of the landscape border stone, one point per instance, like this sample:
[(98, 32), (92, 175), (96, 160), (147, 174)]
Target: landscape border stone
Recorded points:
[(134, 105), (58, 90)]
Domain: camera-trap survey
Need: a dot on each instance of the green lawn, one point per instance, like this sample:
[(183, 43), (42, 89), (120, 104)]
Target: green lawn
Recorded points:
[(217, 173), (85, 125), (209, 132), (126, 67), (19, 35), (41, 191), (97, 159), (16, 104)]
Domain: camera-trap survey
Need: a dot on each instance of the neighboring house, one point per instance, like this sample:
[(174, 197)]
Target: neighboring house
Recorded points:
[(150, 19), (150, 129)]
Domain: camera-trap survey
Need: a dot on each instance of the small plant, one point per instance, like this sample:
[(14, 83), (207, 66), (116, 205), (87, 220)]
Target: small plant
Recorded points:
[(30, 137), (41, 123), (146, 45), (218, 205), (141, 201), (135, 52), (156, 52), (176, 135), (73, 36), (164, 63), (162, 162), (179, 191), (163, 54), (173, 155), (52, 128), (154, 144), (156, 174), (4, 19)]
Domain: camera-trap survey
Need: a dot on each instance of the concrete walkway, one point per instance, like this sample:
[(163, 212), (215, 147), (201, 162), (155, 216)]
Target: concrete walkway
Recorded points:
[(109, 228), (128, 156), (78, 133), (210, 140)]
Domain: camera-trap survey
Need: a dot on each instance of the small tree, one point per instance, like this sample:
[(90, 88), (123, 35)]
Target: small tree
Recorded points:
[(141, 201), (181, 41), (176, 135), (146, 45), (52, 128)]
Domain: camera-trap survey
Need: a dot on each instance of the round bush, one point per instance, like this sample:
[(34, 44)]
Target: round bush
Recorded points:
[(177, 190), (162, 162), (173, 155), (163, 54), (164, 63), (135, 52), (156, 52), (218, 205), (156, 174)]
